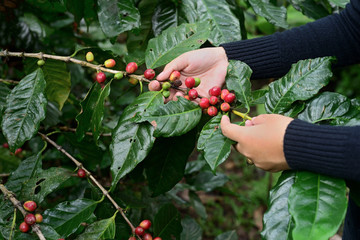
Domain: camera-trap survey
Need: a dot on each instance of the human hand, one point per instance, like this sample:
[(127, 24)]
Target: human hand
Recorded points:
[(209, 64), (260, 140)]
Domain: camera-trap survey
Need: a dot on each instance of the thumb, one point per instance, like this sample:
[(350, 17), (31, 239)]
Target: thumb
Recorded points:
[(177, 64), (230, 130)]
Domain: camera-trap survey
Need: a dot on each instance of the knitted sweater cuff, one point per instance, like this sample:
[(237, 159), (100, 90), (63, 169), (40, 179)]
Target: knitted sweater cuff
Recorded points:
[(261, 54), (321, 149)]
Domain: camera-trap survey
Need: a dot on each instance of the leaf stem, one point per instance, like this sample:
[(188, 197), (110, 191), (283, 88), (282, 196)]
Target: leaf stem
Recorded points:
[(92, 178), (242, 115), (8, 81), (10, 195)]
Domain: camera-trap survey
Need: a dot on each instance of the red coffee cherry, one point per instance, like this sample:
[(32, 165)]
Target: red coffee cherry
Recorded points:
[(24, 227), (147, 236), (157, 238), (204, 103), (81, 173), (133, 81), (5, 145), (225, 107), (145, 224), (213, 100), (212, 111), (215, 91), (30, 206), (110, 63), (132, 238), (187, 97), (89, 56), (131, 67), (39, 218), (30, 219), (139, 231), (224, 92), (229, 98), (190, 82), (193, 94), (100, 77), (175, 75), (18, 151), (149, 74), (154, 85)]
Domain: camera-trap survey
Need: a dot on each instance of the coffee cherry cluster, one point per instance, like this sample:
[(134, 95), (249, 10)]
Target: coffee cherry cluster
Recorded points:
[(218, 98), (30, 218), (140, 231), (17, 151)]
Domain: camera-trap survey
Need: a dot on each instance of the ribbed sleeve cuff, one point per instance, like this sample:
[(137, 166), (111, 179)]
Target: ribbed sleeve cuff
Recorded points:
[(261, 54), (322, 149)]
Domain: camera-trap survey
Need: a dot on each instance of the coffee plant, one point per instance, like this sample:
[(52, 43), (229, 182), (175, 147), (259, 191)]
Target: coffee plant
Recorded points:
[(89, 153)]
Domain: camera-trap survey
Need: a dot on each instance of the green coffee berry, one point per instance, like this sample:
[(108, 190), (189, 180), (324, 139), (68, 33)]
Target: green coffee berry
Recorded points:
[(119, 75), (166, 85), (166, 93), (40, 62)]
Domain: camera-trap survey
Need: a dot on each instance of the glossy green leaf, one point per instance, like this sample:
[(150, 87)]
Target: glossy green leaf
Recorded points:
[(258, 96), (340, 3), (273, 14), (166, 15), (167, 160), (53, 115), (92, 111), (131, 142), (295, 109), (191, 229), (167, 223), (352, 117), (303, 81), (196, 203), (8, 162), (25, 109), (277, 219), (238, 80), (207, 181), (27, 169), (49, 233), (225, 24), (215, 145), (231, 235), (76, 8), (118, 16), (174, 118), (326, 106), (4, 91), (44, 183), (318, 205), (103, 229), (66, 217), (58, 80), (164, 48), (311, 8)]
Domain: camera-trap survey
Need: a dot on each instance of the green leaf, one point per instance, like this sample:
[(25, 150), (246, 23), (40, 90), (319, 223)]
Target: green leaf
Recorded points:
[(295, 109), (273, 14), (119, 16), (58, 80), (167, 223), (164, 48), (225, 24), (44, 183), (326, 106), (231, 235), (167, 160), (8, 161), (303, 81), (318, 205), (131, 142), (174, 118), (92, 111), (196, 203), (277, 219), (191, 229), (164, 17), (352, 117), (4, 91), (103, 229), (311, 8), (340, 3), (25, 109), (27, 169), (238, 80), (215, 145), (53, 115), (49, 232), (207, 181), (66, 217), (76, 8)]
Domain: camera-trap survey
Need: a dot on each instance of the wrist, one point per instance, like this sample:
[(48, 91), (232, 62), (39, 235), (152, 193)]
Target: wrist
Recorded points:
[(221, 53)]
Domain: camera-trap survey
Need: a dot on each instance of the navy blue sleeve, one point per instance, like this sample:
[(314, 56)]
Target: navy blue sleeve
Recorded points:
[(271, 56)]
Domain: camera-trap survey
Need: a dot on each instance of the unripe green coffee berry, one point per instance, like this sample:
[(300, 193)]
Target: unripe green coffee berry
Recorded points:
[(166, 94), (118, 75), (40, 62), (166, 85), (197, 81)]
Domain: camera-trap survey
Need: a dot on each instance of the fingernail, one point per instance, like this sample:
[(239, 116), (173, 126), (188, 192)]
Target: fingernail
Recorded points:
[(248, 123)]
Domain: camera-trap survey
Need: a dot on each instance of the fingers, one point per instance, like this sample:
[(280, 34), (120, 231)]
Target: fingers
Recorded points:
[(230, 130), (178, 64)]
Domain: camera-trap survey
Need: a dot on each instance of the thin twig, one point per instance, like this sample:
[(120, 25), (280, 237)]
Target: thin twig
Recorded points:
[(68, 129), (35, 227), (70, 59), (79, 165), (9, 81), (4, 175)]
